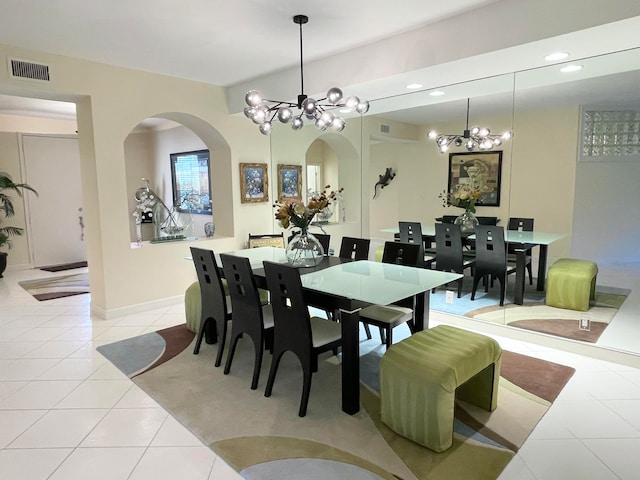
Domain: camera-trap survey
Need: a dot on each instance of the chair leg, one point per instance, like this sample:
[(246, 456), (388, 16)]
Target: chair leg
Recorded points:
[(221, 340), (530, 270), (460, 287), (272, 373), (383, 337), (306, 390), (257, 343), (201, 331), (367, 331), (389, 341), (231, 353), (476, 280)]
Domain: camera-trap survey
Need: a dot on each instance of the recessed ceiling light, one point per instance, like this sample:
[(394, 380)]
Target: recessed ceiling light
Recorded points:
[(571, 68), (436, 93), (413, 86), (555, 56)]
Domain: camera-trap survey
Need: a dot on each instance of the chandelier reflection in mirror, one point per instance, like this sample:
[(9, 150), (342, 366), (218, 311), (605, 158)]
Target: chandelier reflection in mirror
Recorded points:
[(473, 138), (263, 111)]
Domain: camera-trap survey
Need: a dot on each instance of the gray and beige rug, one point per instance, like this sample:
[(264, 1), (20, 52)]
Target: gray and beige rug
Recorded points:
[(263, 438), (57, 287)]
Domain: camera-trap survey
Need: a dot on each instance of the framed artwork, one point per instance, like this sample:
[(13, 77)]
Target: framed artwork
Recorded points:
[(254, 183), (289, 182), (191, 181), (481, 170)]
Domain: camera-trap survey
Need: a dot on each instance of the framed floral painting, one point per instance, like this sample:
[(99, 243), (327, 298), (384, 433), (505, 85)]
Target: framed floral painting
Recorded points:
[(477, 175), (289, 182), (254, 183)]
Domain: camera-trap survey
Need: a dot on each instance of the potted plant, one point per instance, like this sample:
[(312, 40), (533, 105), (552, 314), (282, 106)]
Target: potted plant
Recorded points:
[(7, 210)]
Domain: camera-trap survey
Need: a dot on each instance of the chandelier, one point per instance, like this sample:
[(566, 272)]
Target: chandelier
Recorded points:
[(475, 138), (263, 111)]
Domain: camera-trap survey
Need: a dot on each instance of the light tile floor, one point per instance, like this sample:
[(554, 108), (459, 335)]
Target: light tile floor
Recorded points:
[(66, 413)]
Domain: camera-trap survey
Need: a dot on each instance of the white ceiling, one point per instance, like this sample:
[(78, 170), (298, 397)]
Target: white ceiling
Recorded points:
[(222, 42)]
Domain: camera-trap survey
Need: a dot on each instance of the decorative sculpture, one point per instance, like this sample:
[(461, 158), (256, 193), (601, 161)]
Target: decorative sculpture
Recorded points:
[(384, 180)]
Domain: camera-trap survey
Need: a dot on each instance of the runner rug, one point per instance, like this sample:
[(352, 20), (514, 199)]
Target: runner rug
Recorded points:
[(64, 266), (57, 287), (263, 438)]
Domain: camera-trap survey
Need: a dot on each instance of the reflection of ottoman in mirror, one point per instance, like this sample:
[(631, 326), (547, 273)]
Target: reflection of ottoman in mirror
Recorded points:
[(421, 376), (571, 284)]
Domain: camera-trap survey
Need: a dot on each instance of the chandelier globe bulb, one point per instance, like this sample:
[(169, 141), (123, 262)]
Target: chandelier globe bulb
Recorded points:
[(253, 98), (334, 95)]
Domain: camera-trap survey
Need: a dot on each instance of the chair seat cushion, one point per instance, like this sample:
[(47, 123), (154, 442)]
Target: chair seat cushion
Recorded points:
[(391, 314), (324, 331)]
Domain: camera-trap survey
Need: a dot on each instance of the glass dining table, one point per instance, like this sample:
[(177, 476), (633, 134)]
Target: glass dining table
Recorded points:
[(346, 286)]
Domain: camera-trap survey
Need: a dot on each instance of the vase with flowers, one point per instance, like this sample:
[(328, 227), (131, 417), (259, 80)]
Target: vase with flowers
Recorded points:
[(465, 195), (304, 249)]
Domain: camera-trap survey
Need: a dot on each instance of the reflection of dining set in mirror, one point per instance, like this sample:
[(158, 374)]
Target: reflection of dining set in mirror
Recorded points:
[(458, 251)]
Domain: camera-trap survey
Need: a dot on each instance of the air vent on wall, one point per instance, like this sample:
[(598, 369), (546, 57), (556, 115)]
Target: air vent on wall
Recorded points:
[(384, 128), (28, 70)]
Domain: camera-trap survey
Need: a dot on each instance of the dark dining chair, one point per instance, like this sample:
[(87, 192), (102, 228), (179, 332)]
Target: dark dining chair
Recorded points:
[(491, 259), (411, 232), (387, 317), (354, 248), (522, 225), (295, 330), (216, 306), (323, 238), (450, 256), (250, 316)]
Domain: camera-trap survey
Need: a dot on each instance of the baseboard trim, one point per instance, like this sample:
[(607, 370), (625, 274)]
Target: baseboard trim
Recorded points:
[(137, 308)]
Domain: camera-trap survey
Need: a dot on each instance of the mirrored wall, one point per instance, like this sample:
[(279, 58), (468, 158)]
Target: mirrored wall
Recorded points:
[(572, 165)]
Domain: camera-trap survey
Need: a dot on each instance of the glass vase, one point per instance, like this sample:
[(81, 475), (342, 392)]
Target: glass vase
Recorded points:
[(304, 250), (467, 222)]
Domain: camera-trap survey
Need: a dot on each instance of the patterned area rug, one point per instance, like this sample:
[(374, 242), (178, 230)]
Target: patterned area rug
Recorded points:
[(263, 438), (534, 314), (57, 287)]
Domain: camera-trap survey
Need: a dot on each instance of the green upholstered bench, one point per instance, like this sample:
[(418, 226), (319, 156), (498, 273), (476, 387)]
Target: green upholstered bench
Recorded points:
[(193, 307), (421, 376), (193, 304), (571, 284)]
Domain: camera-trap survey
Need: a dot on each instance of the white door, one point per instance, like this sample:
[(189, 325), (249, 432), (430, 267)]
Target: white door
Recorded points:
[(52, 166)]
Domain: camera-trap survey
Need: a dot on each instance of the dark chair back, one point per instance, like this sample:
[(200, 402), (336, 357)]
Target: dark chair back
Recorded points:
[(266, 240), (491, 259), (401, 253), (214, 305), (447, 218), (292, 329), (449, 248), (355, 248), (488, 220), (520, 224), (323, 238), (491, 255), (248, 311), (245, 299)]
